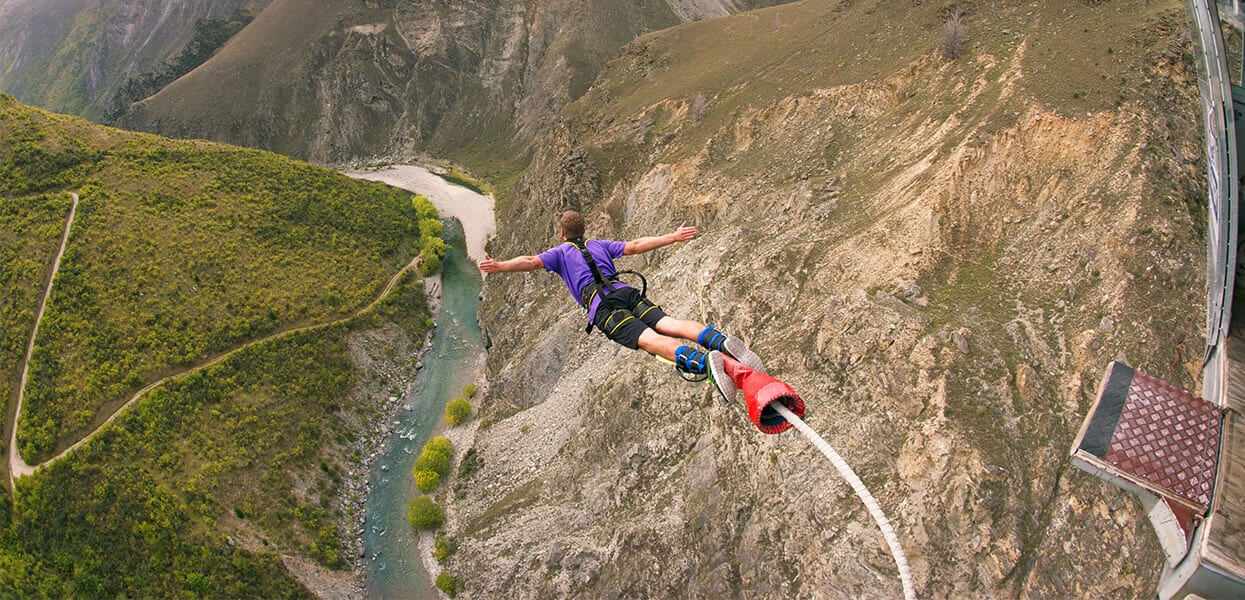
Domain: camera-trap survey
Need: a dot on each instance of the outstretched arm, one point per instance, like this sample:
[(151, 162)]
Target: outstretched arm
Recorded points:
[(644, 244), (521, 263)]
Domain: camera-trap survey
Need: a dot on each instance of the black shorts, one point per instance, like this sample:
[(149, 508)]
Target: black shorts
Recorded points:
[(625, 314)]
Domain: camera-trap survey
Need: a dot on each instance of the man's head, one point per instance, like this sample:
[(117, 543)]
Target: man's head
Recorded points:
[(572, 224)]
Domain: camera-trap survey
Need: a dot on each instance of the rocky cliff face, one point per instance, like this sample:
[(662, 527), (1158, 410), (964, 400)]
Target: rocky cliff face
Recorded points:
[(75, 55), (942, 256), (473, 80)]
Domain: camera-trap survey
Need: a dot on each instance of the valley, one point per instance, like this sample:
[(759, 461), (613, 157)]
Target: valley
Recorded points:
[(937, 220)]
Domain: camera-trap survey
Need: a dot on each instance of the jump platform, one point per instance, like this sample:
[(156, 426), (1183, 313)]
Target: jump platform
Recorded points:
[(1184, 457)]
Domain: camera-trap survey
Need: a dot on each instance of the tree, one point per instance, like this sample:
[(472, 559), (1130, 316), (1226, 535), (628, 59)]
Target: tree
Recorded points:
[(441, 444), (431, 460), (457, 411), (432, 250), (435, 456)]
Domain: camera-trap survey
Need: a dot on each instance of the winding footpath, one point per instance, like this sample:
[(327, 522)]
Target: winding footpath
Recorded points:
[(16, 464), (19, 468)]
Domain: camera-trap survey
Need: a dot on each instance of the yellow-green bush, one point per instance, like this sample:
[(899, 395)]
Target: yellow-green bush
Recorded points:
[(426, 480), (423, 513), (457, 411), (440, 444), (431, 246), (447, 583), (435, 456)]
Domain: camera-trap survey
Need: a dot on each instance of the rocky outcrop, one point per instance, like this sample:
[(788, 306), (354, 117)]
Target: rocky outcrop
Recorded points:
[(925, 249), (75, 55), (474, 80)]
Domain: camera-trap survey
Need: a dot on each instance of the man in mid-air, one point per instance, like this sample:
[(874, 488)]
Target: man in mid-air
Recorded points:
[(620, 311)]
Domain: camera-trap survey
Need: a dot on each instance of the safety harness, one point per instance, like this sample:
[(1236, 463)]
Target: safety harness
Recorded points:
[(605, 287), (687, 361)]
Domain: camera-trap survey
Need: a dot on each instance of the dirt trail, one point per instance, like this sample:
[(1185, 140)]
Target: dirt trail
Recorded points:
[(18, 467), (16, 464)]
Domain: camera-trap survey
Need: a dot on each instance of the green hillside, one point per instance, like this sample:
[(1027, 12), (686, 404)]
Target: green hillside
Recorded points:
[(181, 252)]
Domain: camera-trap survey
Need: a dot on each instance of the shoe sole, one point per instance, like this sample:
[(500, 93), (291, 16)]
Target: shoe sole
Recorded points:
[(736, 348), (717, 374)]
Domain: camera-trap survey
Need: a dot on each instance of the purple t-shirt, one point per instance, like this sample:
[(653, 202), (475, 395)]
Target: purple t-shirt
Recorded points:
[(567, 261)]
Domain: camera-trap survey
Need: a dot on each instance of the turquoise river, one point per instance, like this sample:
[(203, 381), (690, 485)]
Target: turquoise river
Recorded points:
[(393, 564)]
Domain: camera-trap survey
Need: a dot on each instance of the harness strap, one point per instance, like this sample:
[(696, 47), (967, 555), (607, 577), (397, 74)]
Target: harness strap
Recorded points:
[(601, 283), (606, 286)]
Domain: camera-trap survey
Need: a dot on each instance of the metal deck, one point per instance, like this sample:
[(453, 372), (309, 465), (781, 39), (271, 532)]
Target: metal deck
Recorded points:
[(1153, 435), (1225, 541)]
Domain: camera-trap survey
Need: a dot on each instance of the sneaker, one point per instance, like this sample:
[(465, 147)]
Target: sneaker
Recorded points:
[(717, 375), (740, 352)]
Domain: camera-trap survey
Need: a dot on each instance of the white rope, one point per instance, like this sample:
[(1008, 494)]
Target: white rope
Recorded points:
[(888, 532)]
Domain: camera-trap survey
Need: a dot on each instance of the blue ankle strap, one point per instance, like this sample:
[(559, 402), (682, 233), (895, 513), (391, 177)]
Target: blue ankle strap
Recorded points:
[(690, 361), (711, 338)]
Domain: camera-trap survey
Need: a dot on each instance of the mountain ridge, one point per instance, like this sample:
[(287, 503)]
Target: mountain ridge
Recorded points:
[(467, 81)]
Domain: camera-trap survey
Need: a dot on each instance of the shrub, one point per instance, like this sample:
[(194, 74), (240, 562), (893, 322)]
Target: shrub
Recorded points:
[(469, 391), (440, 444), (435, 456), (470, 464), (953, 36), (447, 583), (443, 548), (424, 513), (423, 207), (457, 411), (432, 461), (460, 177), (426, 480)]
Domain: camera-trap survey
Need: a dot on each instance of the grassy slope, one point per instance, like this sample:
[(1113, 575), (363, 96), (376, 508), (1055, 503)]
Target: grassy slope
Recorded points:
[(256, 73), (186, 249), (231, 451), (1084, 236), (168, 236)]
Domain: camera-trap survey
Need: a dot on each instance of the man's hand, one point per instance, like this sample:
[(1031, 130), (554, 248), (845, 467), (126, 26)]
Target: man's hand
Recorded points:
[(518, 264), (684, 233), (642, 245), (488, 265)]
